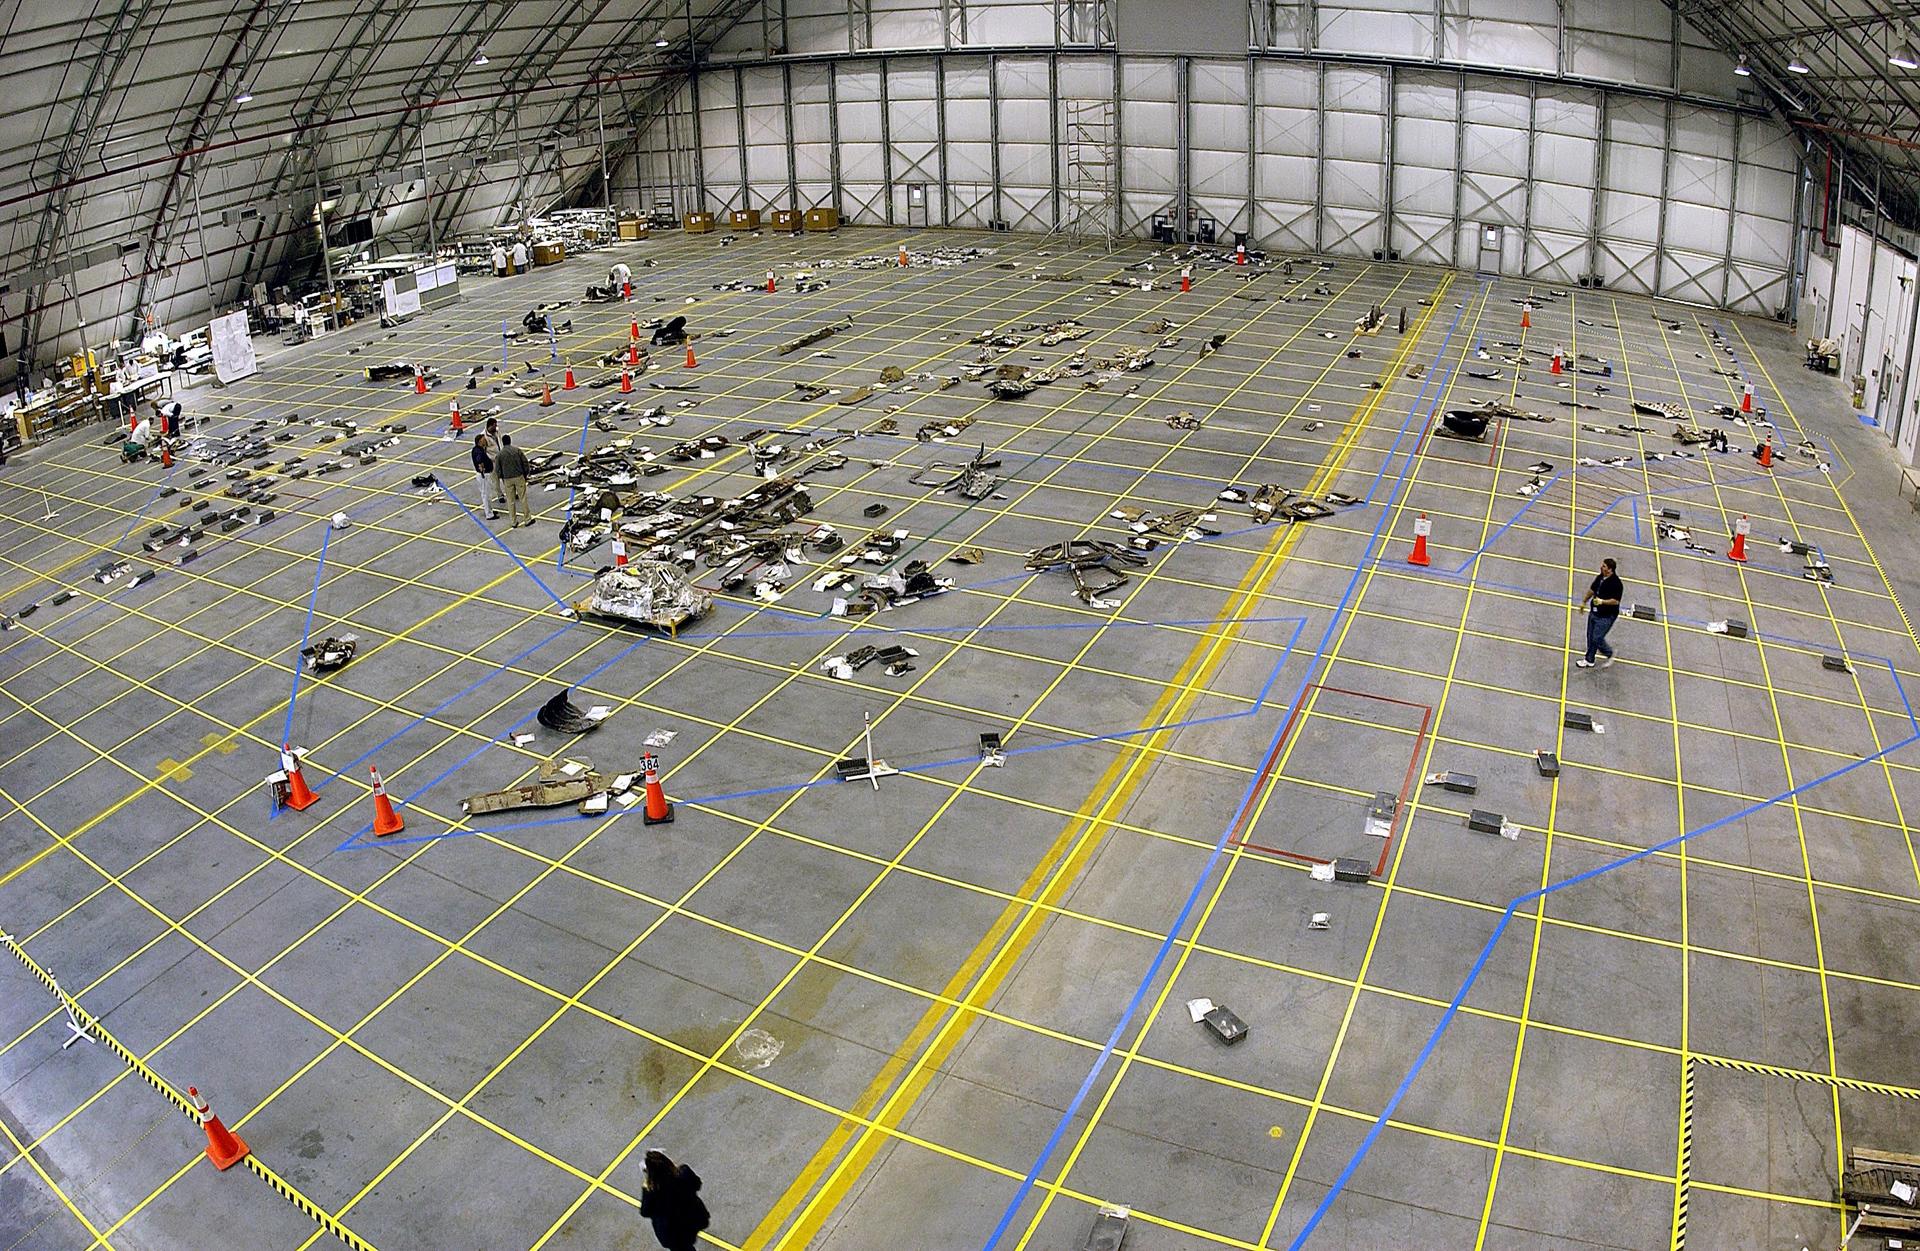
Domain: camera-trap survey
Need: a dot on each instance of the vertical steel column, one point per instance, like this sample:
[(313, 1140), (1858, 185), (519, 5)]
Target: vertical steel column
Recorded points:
[(1526, 189), (1053, 124), (1253, 140), (786, 106), (606, 182), (426, 183), (1798, 240), (1666, 188), (1873, 267), (1387, 116), (940, 134), (1905, 410), (1733, 217), (993, 133), (833, 134), (1182, 151), (320, 209), (740, 129), (1599, 190), (1460, 171), (1838, 189), (206, 258), (698, 148), (1119, 152), (886, 141), (1320, 162)]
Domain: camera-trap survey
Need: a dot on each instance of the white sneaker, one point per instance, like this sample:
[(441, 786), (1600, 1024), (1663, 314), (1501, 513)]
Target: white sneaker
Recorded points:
[(1605, 661), (1583, 663)]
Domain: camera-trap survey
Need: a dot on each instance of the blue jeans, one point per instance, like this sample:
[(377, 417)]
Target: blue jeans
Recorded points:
[(1597, 627)]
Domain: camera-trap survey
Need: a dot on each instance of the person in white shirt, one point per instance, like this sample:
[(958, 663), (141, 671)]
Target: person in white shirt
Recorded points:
[(499, 261), (519, 257), (618, 277)]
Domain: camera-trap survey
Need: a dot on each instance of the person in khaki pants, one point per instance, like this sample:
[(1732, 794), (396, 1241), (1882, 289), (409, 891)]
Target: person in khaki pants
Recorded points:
[(511, 463)]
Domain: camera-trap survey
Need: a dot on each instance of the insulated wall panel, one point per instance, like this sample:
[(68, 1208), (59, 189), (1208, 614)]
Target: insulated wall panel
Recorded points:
[(1353, 187), (813, 148), (1217, 143), (1565, 147), (1286, 155), (1699, 189), (1027, 148), (764, 94), (1150, 125), (720, 143), (969, 144), (1493, 168), (1630, 207), (863, 158), (913, 128), (1762, 255), (1426, 117)]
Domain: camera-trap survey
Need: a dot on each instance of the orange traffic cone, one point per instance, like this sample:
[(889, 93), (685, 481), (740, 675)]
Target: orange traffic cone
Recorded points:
[(1557, 362), (419, 383), (299, 798), (659, 811), (1746, 397), (166, 456), (633, 331), (1526, 317), (1766, 453), (546, 395), (454, 423), (690, 361), (1740, 530), (626, 291), (626, 383), (903, 254), (224, 1147), (1421, 529), (619, 553), (1239, 254), (1186, 277), (566, 381), (633, 353), (770, 287), (385, 820)]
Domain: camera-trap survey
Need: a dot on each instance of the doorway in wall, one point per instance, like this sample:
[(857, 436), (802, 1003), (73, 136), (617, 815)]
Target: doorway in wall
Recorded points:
[(916, 204), (1492, 245)]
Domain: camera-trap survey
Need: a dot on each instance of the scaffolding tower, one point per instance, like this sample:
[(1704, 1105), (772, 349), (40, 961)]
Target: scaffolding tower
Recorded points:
[(1093, 198)]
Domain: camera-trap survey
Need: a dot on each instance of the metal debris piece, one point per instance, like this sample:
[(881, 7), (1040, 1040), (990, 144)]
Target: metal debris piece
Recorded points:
[(551, 792), (1183, 420), (330, 653), (1548, 763), (646, 592), (813, 336), (968, 556), (973, 480), (1460, 783), (562, 714)]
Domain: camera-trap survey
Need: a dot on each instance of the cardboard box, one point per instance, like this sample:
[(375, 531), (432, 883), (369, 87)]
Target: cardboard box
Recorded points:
[(787, 220), (698, 223), (633, 228), (549, 252), (744, 219), (822, 219)]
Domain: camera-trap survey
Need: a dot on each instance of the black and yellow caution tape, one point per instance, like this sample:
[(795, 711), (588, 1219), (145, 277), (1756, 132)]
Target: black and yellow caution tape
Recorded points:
[(91, 1024)]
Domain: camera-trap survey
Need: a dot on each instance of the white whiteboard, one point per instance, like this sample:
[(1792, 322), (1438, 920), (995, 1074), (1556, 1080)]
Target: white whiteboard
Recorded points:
[(232, 345), (403, 295)]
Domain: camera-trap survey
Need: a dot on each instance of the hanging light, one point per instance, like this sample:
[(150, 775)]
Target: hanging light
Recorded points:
[(660, 42), (243, 97), (1741, 67), (1903, 56), (480, 57), (1797, 66)]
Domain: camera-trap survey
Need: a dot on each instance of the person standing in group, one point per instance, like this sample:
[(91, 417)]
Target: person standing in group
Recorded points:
[(519, 256), (482, 467), (1602, 602), (491, 435), (670, 1198), (499, 261), (511, 464)]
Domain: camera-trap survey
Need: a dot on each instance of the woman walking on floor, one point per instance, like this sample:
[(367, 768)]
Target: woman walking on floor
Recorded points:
[(670, 1198)]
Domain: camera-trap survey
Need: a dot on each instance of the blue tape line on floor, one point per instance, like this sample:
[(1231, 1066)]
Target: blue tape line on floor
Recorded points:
[(1206, 872), (448, 702), (1506, 917), (306, 630), (444, 774), (511, 554), (787, 788)]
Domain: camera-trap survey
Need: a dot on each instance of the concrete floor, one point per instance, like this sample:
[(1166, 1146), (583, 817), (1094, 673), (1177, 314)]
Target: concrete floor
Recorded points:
[(977, 977)]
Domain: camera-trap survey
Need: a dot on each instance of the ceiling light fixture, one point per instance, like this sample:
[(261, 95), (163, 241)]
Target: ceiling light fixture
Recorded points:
[(480, 58), (1741, 67), (243, 97), (660, 43), (1797, 66), (1903, 57)]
